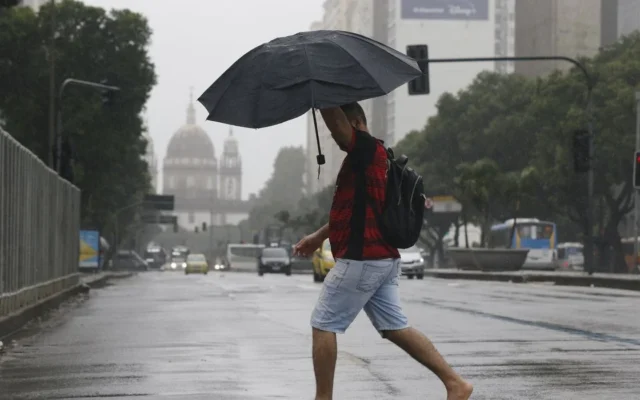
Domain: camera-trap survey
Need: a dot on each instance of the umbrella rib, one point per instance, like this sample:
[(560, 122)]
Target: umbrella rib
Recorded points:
[(352, 57)]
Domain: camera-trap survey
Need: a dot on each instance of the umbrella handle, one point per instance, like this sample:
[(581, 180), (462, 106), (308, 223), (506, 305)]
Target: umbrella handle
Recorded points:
[(319, 158)]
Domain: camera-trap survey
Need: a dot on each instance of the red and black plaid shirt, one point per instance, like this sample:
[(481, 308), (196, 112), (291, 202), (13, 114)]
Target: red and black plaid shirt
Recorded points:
[(353, 230)]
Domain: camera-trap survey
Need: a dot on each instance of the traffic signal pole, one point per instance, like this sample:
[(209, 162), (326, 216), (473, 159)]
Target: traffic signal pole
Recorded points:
[(66, 83), (588, 231)]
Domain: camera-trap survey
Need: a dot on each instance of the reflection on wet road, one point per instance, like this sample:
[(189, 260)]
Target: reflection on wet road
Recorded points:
[(230, 336)]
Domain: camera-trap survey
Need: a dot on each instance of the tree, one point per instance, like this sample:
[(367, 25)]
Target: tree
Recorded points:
[(283, 190), (519, 123), (560, 110), (91, 45)]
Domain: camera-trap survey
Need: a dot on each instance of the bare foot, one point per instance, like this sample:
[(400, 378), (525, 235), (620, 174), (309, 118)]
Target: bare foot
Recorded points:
[(460, 391)]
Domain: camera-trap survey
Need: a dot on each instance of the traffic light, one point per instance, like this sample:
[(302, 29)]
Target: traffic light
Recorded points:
[(581, 151), (204, 227), (636, 171), (420, 53)]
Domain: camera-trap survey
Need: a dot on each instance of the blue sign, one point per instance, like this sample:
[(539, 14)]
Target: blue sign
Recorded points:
[(471, 10), (89, 249)]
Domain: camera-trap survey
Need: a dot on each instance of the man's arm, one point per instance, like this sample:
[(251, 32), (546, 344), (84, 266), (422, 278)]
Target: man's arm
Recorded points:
[(339, 126), (323, 232)]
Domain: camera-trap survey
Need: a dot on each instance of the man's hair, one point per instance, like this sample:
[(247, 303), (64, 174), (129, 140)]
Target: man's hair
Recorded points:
[(354, 111)]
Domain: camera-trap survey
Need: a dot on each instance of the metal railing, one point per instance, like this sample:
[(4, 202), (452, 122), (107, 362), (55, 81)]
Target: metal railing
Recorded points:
[(39, 229)]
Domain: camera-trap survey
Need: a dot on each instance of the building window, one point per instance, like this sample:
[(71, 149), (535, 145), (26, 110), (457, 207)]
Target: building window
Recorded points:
[(172, 182), (192, 218), (190, 182), (210, 183)]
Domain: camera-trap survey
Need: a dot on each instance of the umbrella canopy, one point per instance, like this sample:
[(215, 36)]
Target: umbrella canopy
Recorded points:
[(282, 79)]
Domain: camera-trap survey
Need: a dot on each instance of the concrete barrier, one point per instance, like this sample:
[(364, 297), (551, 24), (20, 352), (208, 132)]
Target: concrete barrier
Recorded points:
[(613, 281)]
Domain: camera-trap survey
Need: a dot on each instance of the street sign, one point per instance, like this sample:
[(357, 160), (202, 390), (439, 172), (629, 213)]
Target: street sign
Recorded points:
[(160, 219), (159, 202), (428, 203)]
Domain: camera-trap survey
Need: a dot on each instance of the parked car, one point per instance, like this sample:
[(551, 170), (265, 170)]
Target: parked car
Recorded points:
[(155, 257), (412, 262), (274, 259), (130, 260), (196, 264), (322, 261)]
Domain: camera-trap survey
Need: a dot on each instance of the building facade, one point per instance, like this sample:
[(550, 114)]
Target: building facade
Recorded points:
[(619, 18), (35, 4), (205, 191), (459, 28), (556, 27), (451, 28), (505, 32)]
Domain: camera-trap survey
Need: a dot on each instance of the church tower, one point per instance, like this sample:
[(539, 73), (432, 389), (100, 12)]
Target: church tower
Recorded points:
[(230, 170)]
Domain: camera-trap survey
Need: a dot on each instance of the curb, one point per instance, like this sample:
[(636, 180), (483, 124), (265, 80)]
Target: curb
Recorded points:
[(623, 282), (12, 323)]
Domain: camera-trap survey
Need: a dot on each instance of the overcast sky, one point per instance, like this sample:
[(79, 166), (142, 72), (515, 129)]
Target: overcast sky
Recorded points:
[(194, 42)]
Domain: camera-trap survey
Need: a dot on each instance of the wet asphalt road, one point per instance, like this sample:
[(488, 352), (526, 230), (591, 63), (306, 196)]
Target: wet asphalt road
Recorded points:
[(164, 335)]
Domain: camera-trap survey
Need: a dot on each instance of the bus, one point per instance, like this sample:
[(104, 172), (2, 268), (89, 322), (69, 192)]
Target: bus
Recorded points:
[(530, 233), (570, 256), (243, 257)]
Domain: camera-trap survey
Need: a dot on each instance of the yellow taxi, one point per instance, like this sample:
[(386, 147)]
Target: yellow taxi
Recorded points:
[(322, 261), (196, 264)]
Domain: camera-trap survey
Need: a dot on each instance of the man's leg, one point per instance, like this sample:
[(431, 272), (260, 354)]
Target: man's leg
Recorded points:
[(346, 289), (386, 314), (325, 353), (422, 350)]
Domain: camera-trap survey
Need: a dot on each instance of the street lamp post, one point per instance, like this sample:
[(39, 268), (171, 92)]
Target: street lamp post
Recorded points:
[(52, 84), (66, 83), (588, 240)]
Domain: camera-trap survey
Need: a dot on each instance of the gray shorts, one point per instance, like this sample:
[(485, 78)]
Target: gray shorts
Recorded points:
[(351, 286)]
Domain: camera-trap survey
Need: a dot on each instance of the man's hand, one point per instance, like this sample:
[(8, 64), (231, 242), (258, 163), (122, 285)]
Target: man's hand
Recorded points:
[(311, 243)]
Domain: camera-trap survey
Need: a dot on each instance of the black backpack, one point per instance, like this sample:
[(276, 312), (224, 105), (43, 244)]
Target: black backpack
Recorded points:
[(400, 221)]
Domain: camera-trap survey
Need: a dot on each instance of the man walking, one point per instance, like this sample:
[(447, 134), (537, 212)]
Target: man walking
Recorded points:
[(366, 272)]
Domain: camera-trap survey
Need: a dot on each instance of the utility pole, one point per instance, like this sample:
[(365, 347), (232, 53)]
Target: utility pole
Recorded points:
[(52, 84)]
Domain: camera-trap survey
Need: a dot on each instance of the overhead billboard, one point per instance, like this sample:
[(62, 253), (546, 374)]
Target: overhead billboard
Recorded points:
[(470, 10), (89, 249)]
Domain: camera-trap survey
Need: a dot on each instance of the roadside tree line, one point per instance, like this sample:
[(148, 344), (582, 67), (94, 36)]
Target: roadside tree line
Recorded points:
[(503, 147), (90, 44)]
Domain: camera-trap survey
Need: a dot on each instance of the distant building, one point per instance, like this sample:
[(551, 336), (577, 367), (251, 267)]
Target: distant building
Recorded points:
[(451, 28), (35, 4), (205, 191), (619, 18), (569, 28)]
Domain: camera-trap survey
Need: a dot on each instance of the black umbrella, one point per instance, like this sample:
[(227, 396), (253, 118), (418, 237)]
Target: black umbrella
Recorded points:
[(282, 79)]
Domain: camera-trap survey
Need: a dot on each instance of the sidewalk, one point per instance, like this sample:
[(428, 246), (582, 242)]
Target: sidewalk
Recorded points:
[(613, 281), (100, 278), (12, 323)]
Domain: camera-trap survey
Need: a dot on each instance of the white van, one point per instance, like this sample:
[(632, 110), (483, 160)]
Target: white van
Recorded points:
[(243, 257)]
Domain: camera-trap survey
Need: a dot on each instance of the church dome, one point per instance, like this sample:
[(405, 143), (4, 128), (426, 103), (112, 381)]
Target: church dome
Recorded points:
[(190, 145)]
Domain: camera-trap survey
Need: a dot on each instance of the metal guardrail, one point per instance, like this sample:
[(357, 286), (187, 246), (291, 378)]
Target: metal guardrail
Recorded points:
[(39, 229)]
